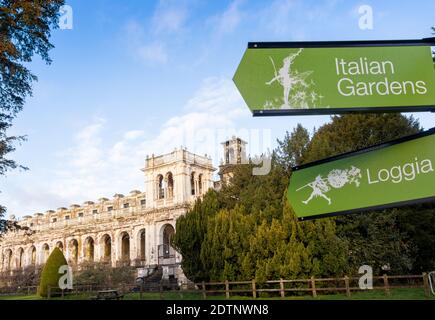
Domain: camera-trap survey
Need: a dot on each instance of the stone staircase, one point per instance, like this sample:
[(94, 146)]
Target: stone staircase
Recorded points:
[(154, 281), (170, 284)]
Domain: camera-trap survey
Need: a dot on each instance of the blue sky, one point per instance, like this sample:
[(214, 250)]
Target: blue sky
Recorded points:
[(139, 77)]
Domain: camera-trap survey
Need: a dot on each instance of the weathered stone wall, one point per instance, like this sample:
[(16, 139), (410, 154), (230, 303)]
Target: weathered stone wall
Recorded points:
[(88, 235)]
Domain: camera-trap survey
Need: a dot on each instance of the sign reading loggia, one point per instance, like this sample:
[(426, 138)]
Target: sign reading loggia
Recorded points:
[(389, 175), (313, 80)]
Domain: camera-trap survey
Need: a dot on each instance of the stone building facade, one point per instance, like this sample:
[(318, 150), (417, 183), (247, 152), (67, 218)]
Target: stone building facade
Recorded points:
[(133, 229)]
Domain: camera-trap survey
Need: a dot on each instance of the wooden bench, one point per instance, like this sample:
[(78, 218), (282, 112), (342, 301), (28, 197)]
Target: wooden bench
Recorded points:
[(108, 295)]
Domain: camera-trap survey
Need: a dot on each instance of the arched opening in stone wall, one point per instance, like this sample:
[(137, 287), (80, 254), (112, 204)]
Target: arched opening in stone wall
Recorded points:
[(164, 249), (141, 246), (33, 256), (231, 156), (192, 183), (125, 246), (45, 252), (168, 232), (200, 184), (170, 179), (59, 245), (20, 258), (106, 243), (89, 249), (8, 254), (74, 251), (160, 187)]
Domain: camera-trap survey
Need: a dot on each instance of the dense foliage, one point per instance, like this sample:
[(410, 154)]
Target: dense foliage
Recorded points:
[(21, 278), (247, 229), (103, 275)]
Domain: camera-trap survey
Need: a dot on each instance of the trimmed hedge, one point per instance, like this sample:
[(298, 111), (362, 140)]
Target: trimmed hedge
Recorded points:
[(50, 274)]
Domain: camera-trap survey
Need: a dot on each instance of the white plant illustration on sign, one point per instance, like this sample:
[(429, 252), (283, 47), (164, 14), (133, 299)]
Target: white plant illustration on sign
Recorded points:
[(336, 179), (298, 93)]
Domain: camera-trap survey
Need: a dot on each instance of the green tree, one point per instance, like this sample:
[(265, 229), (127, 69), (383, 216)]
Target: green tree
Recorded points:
[(418, 224), (287, 248), (248, 230), (376, 239), (50, 273), (25, 28), (191, 231), (226, 242), (259, 195), (292, 148), (352, 132)]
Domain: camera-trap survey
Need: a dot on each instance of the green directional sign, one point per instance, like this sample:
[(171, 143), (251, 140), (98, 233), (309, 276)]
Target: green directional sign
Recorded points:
[(397, 173), (336, 79)]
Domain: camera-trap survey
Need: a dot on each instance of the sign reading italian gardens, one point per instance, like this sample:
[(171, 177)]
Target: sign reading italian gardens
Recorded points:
[(324, 80), (397, 173)]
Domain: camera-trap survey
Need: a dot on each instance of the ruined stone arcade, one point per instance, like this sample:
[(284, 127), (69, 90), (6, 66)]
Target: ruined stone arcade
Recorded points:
[(134, 229)]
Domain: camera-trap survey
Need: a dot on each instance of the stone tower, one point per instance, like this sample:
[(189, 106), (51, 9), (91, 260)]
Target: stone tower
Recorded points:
[(176, 178), (234, 154)]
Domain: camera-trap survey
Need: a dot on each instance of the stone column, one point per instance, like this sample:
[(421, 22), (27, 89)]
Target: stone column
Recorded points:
[(134, 244), (153, 244), (39, 254), (81, 250), (26, 260), (148, 244), (97, 249), (115, 246), (67, 249), (1, 259), (133, 241)]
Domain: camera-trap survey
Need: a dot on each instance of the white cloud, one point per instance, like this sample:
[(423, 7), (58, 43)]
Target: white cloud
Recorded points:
[(229, 20), (149, 43), (28, 198), (214, 107), (153, 52), (146, 50), (287, 18), (133, 134), (216, 95), (169, 17), (134, 31), (87, 151), (276, 17)]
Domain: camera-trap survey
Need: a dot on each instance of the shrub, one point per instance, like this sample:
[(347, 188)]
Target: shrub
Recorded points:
[(123, 275), (96, 273), (103, 275), (50, 274)]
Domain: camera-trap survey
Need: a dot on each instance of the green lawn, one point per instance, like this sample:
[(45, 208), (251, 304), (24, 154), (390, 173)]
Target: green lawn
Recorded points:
[(396, 294), (31, 297)]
